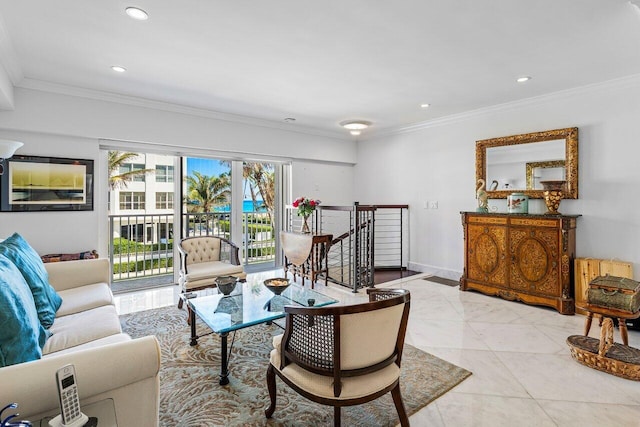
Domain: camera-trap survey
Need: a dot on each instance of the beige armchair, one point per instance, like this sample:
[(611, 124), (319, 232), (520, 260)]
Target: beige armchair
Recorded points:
[(204, 258), (343, 355)]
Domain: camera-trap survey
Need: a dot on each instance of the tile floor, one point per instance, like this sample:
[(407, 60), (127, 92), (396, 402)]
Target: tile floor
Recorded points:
[(523, 374)]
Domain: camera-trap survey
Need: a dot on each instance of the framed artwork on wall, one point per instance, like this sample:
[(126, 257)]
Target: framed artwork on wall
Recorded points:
[(35, 183)]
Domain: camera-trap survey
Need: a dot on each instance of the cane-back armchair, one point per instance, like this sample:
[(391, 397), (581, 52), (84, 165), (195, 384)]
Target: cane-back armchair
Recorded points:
[(343, 355)]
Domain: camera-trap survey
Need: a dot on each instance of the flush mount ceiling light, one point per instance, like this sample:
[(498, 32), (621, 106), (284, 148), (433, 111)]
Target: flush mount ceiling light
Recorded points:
[(425, 105), (136, 13), (523, 79), (118, 69), (355, 124)]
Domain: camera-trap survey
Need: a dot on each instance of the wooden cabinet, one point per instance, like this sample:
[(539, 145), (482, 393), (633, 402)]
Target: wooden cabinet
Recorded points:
[(526, 258)]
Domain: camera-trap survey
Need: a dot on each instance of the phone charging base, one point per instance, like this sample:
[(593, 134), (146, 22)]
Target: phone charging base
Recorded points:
[(57, 421)]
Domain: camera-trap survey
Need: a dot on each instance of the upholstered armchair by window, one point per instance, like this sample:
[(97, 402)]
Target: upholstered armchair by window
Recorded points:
[(204, 258), (343, 355)]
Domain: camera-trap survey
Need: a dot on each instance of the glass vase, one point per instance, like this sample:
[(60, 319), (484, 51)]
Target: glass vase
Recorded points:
[(305, 225)]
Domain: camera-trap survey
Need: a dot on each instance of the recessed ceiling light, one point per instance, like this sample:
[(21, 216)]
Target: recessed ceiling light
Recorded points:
[(136, 13), (289, 119), (118, 69), (355, 132), (523, 79), (355, 124), (425, 105)]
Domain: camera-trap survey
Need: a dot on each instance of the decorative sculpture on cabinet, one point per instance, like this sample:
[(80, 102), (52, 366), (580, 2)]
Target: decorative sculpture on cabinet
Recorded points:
[(483, 197)]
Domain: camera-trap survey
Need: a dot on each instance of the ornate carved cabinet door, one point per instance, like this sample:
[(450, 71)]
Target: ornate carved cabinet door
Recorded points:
[(487, 253), (534, 263)]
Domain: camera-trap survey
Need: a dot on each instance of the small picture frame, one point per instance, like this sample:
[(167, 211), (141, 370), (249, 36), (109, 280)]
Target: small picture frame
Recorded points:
[(35, 183)]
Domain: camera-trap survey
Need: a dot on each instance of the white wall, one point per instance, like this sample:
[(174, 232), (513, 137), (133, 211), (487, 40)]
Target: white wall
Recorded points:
[(331, 184), (437, 163), (6, 90), (46, 112), (69, 126), (57, 232)]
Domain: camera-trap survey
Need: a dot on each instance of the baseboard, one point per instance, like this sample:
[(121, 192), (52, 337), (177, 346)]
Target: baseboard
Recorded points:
[(435, 271)]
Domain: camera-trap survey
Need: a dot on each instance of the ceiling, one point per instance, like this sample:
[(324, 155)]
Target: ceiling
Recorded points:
[(321, 62)]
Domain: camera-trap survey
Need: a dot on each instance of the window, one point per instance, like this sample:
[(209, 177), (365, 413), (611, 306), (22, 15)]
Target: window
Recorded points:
[(131, 200), (133, 232), (164, 200), (164, 173), (165, 232), (132, 167)]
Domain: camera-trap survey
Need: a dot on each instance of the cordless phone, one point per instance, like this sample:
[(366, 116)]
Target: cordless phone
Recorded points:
[(69, 400)]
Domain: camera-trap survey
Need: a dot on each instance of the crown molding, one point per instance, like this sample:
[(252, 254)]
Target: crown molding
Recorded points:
[(61, 89), (619, 83), (45, 86)]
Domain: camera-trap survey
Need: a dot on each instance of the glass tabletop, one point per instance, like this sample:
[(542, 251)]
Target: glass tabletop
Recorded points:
[(250, 304)]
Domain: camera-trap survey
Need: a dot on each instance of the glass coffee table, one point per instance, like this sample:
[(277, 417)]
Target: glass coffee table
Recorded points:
[(250, 304)]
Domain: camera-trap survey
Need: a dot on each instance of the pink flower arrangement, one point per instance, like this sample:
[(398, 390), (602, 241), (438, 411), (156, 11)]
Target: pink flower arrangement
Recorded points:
[(305, 206)]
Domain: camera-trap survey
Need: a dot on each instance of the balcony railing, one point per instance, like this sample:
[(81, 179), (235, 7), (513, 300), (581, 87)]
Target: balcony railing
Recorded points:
[(258, 235), (142, 245)]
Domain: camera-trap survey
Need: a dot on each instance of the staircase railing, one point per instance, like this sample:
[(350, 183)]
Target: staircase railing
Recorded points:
[(376, 238)]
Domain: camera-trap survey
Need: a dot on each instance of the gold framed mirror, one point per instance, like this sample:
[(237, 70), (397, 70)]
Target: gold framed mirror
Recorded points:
[(547, 170), (509, 164)]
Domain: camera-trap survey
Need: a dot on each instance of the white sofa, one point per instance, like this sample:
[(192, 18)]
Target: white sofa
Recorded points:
[(86, 332)]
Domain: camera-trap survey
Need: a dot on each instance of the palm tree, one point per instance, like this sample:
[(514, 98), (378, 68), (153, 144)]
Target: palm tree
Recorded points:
[(119, 180), (261, 176), (261, 180), (204, 192)]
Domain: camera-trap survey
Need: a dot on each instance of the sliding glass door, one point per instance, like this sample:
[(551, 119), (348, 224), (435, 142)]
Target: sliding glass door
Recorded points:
[(154, 200), (234, 200), (259, 214), (141, 219)]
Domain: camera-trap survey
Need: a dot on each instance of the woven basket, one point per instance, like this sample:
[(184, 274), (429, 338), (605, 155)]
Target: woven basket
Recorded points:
[(605, 355)]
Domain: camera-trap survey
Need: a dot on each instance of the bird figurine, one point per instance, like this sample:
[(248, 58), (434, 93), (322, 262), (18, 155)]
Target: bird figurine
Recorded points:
[(483, 197)]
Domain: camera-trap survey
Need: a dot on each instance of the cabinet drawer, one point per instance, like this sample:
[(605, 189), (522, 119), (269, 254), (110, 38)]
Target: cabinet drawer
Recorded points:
[(530, 222), (484, 219)]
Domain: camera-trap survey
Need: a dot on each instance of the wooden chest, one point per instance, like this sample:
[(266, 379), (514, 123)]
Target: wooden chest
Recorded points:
[(520, 257), (587, 269), (619, 293)]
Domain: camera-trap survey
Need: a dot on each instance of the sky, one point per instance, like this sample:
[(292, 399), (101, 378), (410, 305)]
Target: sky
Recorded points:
[(210, 167)]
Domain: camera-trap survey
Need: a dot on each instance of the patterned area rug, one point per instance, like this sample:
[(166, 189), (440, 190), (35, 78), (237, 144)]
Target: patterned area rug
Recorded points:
[(191, 396)]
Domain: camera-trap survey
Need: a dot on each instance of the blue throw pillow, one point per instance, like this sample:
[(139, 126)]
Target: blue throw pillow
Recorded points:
[(18, 251), (22, 336)]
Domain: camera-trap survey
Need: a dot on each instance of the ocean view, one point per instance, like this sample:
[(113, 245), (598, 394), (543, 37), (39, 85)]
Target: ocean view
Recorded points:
[(247, 206)]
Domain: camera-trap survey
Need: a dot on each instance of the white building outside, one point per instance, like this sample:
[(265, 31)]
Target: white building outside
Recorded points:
[(143, 210)]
